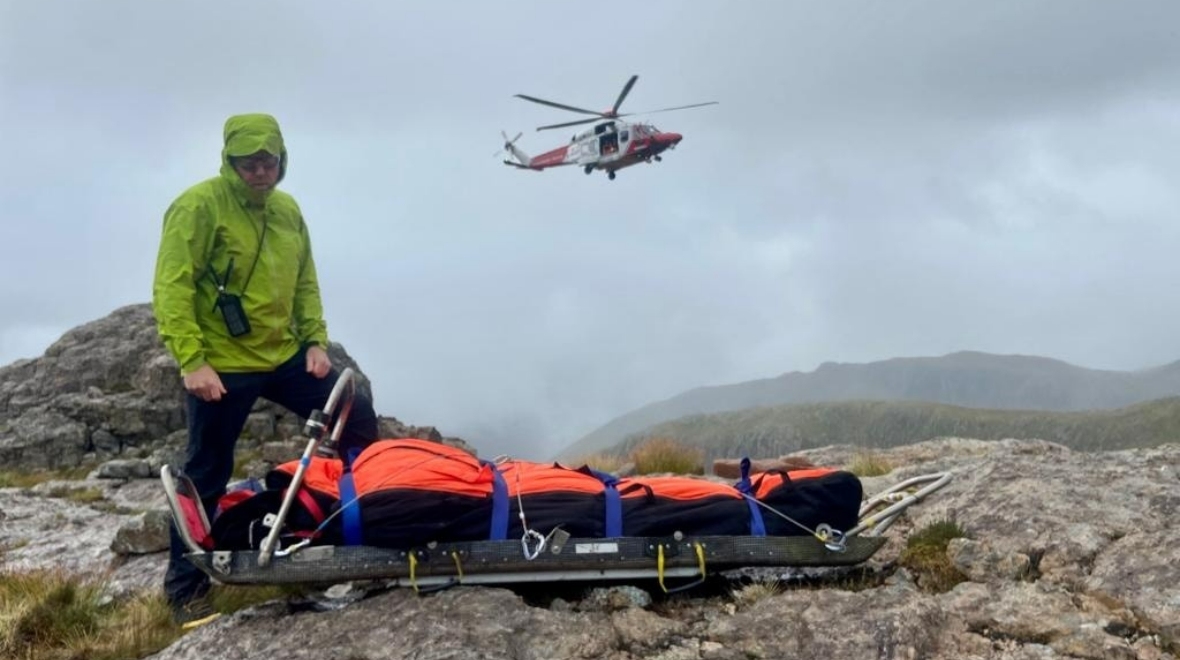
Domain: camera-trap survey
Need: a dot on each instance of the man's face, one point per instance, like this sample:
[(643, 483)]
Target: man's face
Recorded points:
[(259, 170)]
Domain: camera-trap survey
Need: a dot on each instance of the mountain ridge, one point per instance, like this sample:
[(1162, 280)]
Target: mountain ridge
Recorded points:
[(968, 378)]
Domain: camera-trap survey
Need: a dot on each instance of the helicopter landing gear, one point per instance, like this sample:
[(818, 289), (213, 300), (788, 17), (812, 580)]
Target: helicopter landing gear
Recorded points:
[(588, 169), (610, 175), (658, 159)]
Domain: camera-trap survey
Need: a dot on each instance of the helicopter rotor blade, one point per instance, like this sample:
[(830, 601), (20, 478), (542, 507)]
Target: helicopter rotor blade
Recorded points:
[(623, 94), (560, 105), (679, 107), (569, 123)]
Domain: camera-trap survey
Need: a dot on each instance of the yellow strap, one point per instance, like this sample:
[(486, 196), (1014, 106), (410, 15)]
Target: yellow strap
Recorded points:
[(200, 622), (700, 557), (660, 567), (458, 566), (413, 568)]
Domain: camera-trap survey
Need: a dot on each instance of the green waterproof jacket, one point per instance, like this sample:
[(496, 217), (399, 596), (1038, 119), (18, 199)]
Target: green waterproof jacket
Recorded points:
[(223, 219)]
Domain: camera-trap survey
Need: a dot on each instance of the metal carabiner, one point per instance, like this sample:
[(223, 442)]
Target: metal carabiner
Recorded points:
[(532, 553), (833, 539)]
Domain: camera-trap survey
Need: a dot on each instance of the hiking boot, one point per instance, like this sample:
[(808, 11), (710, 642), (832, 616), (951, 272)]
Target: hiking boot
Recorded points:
[(193, 613)]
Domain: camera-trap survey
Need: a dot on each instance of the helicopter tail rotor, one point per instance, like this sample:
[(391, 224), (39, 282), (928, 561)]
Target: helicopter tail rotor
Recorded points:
[(509, 145), (522, 159)]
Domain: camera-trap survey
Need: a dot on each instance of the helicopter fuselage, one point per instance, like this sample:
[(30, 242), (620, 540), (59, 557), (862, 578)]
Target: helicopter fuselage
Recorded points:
[(609, 146)]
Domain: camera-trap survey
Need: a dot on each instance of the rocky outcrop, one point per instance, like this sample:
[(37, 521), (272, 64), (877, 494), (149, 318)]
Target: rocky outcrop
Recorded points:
[(731, 468), (1067, 554), (109, 390)]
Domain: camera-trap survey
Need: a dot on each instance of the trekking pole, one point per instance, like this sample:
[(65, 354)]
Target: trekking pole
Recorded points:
[(345, 385)]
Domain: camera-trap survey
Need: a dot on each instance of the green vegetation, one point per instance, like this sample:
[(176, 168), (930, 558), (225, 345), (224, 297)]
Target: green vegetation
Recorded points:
[(22, 479), (79, 495), (49, 615), (779, 430), (925, 555), (657, 455), (869, 464)]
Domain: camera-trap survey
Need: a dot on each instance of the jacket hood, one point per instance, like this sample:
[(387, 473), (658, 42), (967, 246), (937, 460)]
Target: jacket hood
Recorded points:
[(248, 134)]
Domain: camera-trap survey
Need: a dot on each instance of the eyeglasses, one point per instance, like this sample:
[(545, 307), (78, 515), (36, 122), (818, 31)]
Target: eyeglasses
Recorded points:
[(252, 163)]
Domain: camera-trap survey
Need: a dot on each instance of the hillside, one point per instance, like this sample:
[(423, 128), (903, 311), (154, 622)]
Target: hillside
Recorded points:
[(970, 379), (770, 431)]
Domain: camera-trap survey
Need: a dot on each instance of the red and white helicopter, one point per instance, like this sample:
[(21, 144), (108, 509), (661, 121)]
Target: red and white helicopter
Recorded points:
[(610, 145)]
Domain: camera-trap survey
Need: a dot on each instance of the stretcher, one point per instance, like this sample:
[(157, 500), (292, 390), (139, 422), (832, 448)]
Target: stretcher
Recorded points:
[(423, 515)]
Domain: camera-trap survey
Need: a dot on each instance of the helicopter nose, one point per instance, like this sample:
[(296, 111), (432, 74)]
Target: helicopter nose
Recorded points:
[(668, 140)]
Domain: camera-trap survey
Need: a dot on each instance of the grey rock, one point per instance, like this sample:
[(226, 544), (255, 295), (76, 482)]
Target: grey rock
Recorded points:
[(609, 599), (125, 469), (981, 563), (108, 389), (144, 535)]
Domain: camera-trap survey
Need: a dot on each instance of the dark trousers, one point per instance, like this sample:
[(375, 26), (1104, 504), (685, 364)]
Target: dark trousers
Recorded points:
[(213, 430)]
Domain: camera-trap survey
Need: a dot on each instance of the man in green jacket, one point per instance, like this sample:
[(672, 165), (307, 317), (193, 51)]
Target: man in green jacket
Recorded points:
[(237, 303)]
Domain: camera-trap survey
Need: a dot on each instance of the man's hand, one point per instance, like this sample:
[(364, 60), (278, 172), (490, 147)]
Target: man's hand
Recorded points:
[(204, 383), (318, 363)]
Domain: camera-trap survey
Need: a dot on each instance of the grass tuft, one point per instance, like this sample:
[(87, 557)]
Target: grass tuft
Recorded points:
[(925, 555), (48, 615), (869, 464), (657, 455), (756, 592)]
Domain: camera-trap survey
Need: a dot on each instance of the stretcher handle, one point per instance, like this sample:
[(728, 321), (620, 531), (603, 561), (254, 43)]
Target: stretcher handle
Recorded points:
[(873, 524), (345, 386)]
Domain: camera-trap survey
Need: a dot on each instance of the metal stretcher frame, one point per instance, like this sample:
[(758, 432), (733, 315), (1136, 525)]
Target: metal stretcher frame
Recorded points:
[(483, 562), (557, 558)]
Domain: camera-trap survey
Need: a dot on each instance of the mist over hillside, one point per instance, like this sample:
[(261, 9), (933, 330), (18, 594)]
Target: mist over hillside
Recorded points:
[(969, 379), (772, 431)]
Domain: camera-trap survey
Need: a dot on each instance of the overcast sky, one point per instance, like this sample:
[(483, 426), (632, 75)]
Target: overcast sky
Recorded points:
[(879, 179)]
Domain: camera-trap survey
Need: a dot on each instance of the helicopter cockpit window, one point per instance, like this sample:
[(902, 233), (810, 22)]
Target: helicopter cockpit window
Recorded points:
[(623, 136)]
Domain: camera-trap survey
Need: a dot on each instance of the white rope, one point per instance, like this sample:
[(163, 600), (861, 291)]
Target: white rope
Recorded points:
[(530, 536), (832, 538)]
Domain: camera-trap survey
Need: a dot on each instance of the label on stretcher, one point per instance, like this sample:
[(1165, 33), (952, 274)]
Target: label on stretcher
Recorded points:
[(596, 548)]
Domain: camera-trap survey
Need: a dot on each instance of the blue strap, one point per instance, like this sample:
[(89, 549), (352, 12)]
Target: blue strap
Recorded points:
[(499, 529), (352, 510), (614, 503), (757, 527), (350, 457)]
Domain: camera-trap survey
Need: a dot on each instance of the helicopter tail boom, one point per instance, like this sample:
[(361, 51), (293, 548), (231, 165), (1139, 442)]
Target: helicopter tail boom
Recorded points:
[(523, 160)]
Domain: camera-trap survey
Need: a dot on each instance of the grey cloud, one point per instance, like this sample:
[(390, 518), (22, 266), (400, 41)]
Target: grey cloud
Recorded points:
[(880, 179)]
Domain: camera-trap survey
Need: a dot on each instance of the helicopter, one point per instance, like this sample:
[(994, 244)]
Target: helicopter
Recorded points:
[(610, 145)]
